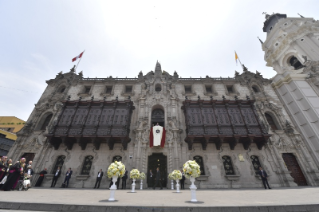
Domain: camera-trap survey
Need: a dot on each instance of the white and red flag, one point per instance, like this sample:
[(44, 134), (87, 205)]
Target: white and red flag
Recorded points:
[(74, 59)]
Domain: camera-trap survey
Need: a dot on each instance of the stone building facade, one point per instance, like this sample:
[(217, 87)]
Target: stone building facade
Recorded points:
[(230, 126)]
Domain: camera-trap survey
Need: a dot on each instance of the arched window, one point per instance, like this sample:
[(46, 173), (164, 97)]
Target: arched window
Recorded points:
[(117, 158), (255, 89), (46, 121), (158, 117), (59, 163), (271, 122), (200, 162), (158, 87), (228, 165), (255, 162), (293, 61), (87, 164)]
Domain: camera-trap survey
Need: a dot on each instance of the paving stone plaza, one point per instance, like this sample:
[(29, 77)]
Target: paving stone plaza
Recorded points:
[(252, 200)]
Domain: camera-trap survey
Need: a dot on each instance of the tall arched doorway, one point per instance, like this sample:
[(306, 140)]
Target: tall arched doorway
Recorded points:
[(158, 117), (294, 168), (157, 160)]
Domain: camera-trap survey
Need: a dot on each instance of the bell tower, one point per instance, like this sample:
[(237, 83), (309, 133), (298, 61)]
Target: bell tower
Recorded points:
[(290, 42), (292, 49)]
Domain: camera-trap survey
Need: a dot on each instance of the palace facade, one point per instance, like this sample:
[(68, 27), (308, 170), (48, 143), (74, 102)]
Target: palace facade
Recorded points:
[(230, 126)]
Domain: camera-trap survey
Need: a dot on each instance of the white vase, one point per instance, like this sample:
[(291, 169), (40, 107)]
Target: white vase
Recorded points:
[(133, 186), (193, 189), (113, 188), (141, 185), (177, 186), (172, 184)]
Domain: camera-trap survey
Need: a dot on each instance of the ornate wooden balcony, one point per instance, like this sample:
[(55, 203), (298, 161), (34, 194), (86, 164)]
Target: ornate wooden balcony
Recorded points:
[(94, 122), (223, 121)]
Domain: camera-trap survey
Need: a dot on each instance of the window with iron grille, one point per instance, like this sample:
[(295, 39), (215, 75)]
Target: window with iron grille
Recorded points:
[(256, 163), (228, 165), (59, 163), (117, 158), (87, 164), (200, 162)]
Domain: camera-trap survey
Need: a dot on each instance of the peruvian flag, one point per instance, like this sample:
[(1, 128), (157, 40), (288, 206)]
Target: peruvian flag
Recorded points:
[(74, 59)]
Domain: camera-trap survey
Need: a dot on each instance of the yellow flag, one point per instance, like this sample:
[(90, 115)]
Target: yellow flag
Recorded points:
[(236, 57)]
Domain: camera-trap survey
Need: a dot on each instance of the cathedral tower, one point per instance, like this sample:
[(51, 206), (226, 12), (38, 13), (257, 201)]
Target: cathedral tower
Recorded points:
[(292, 49)]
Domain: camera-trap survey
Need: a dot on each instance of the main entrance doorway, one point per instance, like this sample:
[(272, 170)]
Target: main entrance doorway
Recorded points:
[(157, 160), (293, 166)]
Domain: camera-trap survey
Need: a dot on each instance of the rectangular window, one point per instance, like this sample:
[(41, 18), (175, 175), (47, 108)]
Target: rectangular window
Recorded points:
[(87, 89), (188, 89), (108, 89), (230, 89), (128, 89), (208, 88)]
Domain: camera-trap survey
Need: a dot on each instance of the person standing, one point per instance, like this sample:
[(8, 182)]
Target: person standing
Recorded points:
[(118, 183), (29, 173), (98, 179), (67, 178), (124, 178), (40, 179), (150, 178), (158, 179), (3, 167), (264, 177), (182, 180), (56, 177)]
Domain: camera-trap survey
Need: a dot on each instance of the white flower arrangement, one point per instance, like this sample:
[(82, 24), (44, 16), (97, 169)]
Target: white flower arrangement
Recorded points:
[(116, 169), (191, 169), (170, 176), (176, 175), (142, 176), (134, 174)]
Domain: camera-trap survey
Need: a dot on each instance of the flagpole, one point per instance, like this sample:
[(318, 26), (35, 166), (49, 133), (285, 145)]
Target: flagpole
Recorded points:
[(238, 58), (81, 59)]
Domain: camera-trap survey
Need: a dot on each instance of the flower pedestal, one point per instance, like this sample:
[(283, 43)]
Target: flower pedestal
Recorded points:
[(113, 188), (177, 186), (133, 186), (172, 184), (193, 189), (141, 185)]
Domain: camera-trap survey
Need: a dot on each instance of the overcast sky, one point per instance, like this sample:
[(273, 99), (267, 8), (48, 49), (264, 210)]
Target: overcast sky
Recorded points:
[(120, 38)]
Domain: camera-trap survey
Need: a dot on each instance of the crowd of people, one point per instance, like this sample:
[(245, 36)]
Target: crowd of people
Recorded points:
[(15, 174)]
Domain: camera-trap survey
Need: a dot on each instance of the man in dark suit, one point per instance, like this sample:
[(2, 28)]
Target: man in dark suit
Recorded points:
[(124, 178), (182, 180), (264, 177), (158, 179), (98, 179), (68, 175), (56, 176)]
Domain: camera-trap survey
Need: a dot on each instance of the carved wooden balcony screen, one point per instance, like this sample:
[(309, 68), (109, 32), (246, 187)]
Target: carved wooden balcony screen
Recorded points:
[(218, 121), (92, 121)]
